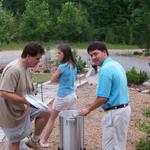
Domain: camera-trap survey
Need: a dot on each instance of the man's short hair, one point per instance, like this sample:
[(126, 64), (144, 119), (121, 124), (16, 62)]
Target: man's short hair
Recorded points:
[(97, 45), (32, 49)]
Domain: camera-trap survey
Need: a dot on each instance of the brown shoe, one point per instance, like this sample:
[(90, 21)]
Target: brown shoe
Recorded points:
[(34, 145)]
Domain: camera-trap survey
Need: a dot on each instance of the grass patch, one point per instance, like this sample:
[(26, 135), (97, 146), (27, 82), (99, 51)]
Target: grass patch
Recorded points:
[(146, 112), (40, 77), (121, 46), (20, 45), (143, 126), (143, 144), (54, 44), (13, 46)]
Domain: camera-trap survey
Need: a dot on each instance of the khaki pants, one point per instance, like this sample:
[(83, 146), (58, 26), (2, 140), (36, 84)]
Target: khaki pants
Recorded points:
[(115, 128)]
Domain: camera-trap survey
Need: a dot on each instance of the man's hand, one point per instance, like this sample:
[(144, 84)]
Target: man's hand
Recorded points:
[(85, 111), (95, 104), (13, 97)]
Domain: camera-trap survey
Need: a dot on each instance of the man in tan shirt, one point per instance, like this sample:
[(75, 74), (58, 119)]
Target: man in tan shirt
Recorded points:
[(16, 113)]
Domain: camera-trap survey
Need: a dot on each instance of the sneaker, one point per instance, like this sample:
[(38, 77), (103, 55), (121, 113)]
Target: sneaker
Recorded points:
[(44, 145), (34, 145)]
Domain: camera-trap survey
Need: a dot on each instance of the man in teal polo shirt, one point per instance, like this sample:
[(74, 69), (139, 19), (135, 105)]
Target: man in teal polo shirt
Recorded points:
[(112, 96)]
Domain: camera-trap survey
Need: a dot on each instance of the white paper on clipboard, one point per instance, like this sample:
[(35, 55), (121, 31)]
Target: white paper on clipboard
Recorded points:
[(36, 102)]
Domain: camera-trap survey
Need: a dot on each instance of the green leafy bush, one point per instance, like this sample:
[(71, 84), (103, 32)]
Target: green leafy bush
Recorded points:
[(133, 77), (7, 25), (147, 53), (79, 61), (143, 77), (137, 53), (72, 23), (35, 21), (80, 64)]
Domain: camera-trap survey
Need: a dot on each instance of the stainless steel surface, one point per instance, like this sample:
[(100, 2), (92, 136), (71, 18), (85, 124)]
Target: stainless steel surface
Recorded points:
[(71, 130)]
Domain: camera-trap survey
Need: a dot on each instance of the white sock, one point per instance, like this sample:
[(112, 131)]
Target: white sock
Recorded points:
[(35, 138)]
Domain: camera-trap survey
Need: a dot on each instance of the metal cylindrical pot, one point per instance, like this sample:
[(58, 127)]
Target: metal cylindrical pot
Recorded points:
[(71, 130)]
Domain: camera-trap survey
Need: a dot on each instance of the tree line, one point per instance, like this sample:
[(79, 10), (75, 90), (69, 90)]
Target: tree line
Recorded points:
[(113, 21)]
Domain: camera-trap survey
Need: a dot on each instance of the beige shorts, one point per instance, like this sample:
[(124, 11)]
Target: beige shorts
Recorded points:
[(65, 103)]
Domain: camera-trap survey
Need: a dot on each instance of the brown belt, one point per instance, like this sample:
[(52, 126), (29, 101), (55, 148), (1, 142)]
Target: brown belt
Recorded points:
[(116, 107)]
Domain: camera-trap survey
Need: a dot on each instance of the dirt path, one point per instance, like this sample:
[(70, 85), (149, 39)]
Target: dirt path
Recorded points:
[(93, 133)]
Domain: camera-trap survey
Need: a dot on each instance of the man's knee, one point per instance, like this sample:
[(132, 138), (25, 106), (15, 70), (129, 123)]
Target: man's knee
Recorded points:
[(43, 115), (14, 146)]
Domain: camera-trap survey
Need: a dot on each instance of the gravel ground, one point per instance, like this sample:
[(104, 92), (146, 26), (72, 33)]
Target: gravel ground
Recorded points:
[(86, 94), (93, 133)]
